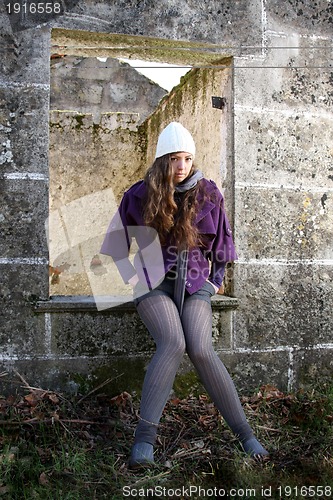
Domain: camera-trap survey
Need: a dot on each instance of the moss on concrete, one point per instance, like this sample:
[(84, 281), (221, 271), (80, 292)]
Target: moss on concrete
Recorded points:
[(85, 43), (121, 375), (186, 384), (96, 128), (79, 121), (124, 374)]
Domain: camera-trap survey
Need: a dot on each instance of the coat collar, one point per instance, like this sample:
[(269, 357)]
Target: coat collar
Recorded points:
[(139, 190)]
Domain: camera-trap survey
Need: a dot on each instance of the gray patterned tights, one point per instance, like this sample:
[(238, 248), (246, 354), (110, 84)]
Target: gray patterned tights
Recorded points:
[(173, 336)]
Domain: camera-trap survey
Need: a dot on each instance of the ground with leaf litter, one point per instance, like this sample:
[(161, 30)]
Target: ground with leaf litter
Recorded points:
[(55, 446)]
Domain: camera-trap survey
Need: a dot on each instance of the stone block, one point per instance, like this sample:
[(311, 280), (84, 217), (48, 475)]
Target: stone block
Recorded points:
[(314, 367), (23, 213), (249, 371), (66, 121), (222, 329), (78, 329), (30, 65), (283, 150), (8, 49), (293, 75), (5, 26), (284, 224), (77, 375), (234, 23), (24, 140), (22, 332), (112, 121), (283, 305), (310, 17), (99, 334)]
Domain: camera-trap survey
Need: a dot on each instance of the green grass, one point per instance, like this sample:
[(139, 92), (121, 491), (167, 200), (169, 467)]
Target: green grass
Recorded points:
[(66, 449)]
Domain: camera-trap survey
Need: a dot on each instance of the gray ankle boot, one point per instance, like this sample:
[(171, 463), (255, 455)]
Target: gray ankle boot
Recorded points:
[(142, 455), (254, 449)]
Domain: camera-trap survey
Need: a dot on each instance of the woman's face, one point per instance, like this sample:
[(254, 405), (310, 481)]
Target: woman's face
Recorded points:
[(181, 164)]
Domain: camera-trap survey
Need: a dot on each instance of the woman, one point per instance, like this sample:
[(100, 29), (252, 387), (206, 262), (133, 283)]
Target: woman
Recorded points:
[(186, 211)]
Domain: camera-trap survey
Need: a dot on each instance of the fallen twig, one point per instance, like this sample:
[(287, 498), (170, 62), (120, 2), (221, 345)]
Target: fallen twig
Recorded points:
[(150, 478), (279, 431), (99, 387), (53, 420), (21, 378)]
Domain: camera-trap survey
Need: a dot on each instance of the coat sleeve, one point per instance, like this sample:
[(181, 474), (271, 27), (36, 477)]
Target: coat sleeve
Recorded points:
[(117, 241), (223, 249)]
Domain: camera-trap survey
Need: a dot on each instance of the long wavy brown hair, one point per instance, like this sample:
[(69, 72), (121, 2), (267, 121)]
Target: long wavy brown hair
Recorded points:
[(172, 221)]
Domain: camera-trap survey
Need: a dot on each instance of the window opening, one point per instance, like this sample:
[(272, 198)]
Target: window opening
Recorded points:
[(105, 116)]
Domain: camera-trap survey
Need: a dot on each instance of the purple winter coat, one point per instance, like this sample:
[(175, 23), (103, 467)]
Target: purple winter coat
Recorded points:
[(152, 260)]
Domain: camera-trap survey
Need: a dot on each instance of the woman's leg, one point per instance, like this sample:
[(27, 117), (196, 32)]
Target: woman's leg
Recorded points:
[(197, 325), (161, 318)]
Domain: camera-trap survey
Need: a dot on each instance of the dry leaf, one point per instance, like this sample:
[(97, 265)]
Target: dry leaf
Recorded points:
[(7, 457), (32, 399), (44, 479), (4, 490), (53, 397)]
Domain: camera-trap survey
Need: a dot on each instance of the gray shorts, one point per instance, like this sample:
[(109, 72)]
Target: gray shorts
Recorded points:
[(166, 288)]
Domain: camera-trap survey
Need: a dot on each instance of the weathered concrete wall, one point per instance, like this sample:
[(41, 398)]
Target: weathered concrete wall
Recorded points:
[(91, 164), (24, 98), (85, 345), (86, 157), (283, 116), (283, 202), (192, 105), (89, 85)]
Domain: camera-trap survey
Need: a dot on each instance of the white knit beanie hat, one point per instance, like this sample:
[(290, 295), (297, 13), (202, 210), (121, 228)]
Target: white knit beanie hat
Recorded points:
[(174, 138)]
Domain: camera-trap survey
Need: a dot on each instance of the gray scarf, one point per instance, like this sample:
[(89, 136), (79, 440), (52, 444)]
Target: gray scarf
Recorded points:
[(182, 259), (189, 183)]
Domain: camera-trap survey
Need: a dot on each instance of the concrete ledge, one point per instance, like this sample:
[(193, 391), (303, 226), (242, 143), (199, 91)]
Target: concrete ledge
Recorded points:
[(90, 327), (87, 303), (83, 303)]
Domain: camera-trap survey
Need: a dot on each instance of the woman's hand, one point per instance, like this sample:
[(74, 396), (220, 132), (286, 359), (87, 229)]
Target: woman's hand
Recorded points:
[(134, 280), (214, 286)]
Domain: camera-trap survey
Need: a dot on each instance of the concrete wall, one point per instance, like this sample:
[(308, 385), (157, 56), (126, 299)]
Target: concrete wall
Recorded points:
[(284, 203), (91, 164), (282, 174), (191, 104), (91, 85)]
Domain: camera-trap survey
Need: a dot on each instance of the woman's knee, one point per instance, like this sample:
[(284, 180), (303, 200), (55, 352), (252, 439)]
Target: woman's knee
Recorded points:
[(170, 341), (177, 345), (199, 355)]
